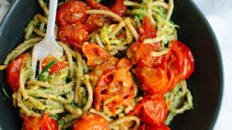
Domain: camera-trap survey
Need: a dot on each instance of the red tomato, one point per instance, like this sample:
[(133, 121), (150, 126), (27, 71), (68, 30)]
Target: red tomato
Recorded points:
[(181, 61), (56, 67), (70, 12), (95, 54), (119, 8), (148, 30), (95, 21), (91, 122), (118, 83), (154, 80), (74, 34), (13, 71), (154, 127), (151, 110), (39, 123), (94, 4), (141, 54)]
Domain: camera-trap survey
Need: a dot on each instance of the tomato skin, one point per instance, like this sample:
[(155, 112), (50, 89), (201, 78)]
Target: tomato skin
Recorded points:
[(119, 8), (74, 34), (13, 71), (181, 60), (91, 122), (95, 54), (151, 110), (114, 82), (147, 30), (95, 21), (39, 123), (154, 80), (94, 4), (154, 127), (70, 12)]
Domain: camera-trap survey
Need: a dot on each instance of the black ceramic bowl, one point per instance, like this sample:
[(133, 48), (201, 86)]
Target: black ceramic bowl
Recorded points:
[(205, 84)]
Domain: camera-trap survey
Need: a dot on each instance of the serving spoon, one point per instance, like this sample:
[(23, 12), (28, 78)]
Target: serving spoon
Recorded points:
[(48, 46)]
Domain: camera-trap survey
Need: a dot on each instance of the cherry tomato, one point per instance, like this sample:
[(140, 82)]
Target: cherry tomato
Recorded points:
[(147, 30), (70, 12), (56, 67), (116, 83), (74, 34), (95, 54), (13, 71), (39, 123), (91, 122), (141, 54), (154, 127), (102, 68), (119, 8), (94, 4), (181, 60), (95, 21), (151, 110), (154, 80)]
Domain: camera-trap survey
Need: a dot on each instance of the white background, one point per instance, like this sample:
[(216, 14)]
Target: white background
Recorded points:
[(219, 15)]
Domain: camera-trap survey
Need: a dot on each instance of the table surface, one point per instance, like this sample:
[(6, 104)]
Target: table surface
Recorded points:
[(219, 18)]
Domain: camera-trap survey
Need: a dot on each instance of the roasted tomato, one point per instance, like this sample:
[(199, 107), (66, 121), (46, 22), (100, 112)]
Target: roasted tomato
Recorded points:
[(154, 127), (142, 54), (117, 83), (154, 80), (39, 123), (70, 12), (119, 8), (74, 34), (13, 71), (181, 61), (96, 21), (151, 110), (91, 122), (94, 4), (95, 54), (147, 30), (56, 67)]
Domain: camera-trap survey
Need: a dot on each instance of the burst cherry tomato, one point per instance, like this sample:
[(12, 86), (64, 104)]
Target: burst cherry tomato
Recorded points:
[(74, 34), (91, 122), (94, 4), (151, 110), (147, 30), (95, 21), (70, 12), (154, 80), (56, 67), (95, 54), (141, 54), (154, 127), (39, 123), (13, 71), (119, 8), (181, 60)]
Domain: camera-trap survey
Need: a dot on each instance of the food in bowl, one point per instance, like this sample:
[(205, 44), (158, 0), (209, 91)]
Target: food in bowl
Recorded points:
[(123, 68)]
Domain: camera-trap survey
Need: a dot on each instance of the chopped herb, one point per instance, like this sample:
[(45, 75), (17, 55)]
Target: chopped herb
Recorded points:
[(5, 93), (56, 116), (46, 69)]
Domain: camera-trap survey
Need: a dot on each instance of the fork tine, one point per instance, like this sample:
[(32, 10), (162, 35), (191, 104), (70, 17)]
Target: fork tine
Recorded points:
[(34, 64)]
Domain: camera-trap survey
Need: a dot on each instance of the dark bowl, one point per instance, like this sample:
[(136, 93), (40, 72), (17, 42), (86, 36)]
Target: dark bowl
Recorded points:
[(206, 83)]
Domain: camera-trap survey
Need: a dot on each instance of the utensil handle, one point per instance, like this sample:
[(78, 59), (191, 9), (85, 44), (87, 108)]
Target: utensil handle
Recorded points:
[(50, 34)]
